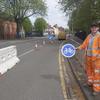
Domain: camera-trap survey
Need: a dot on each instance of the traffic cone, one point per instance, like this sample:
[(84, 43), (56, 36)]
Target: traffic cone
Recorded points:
[(36, 45), (44, 42)]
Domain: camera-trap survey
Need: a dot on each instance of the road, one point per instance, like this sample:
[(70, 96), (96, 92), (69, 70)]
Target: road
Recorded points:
[(36, 76)]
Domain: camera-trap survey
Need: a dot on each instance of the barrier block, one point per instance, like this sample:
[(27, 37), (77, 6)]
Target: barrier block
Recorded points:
[(8, 58)]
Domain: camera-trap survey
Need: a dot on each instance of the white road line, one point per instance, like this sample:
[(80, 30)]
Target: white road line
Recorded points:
[(26, 53), (75, 41)]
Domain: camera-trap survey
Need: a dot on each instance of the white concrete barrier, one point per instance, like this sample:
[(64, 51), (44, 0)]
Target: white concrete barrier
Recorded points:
[(8, 58)]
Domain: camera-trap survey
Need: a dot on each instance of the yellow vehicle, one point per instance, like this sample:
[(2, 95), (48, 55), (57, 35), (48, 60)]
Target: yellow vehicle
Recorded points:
[(62, 36)]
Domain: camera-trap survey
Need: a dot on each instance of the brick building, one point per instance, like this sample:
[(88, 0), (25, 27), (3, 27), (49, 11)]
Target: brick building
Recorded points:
[(7, 29)]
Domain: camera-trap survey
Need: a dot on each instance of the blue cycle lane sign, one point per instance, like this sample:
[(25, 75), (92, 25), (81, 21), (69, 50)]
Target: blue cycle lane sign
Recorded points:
[(68, 50)]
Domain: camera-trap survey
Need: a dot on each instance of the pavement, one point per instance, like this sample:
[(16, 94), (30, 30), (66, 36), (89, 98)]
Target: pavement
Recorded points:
[(36, 76)]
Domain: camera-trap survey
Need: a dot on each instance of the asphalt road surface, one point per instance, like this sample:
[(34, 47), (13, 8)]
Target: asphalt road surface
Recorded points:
[(36, 76)]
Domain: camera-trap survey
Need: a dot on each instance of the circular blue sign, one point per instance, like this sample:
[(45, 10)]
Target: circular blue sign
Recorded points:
[(68, 50)]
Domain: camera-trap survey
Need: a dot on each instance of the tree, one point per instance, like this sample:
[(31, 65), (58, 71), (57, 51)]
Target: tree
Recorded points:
[(67, 30), (95, 9), (22, 9), (82, 14), (81, 18), (40, 25), (69, 5), (27, 25), (87, 13)]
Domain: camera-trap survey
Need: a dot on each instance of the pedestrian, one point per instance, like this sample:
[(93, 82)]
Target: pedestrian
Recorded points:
[(91, 45)]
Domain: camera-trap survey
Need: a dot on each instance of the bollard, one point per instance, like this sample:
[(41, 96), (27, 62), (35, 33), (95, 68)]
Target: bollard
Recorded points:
[(44, 42), (36, 45)]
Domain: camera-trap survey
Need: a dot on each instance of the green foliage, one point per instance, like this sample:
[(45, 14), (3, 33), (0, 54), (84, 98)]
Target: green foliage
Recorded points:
[(82, 15), (66, 30), (40, 25), (69, 5), (21, 9), (27, 25)]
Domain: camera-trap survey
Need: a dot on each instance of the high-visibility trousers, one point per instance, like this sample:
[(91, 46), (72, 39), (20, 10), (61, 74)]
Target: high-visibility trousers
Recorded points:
[(89, 70), (96, 77), (93, 73)]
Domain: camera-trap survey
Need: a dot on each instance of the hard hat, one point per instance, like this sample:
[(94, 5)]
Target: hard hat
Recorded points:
[(95, 24)]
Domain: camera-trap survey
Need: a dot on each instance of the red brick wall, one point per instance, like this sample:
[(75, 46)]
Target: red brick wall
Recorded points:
[(8, 30)]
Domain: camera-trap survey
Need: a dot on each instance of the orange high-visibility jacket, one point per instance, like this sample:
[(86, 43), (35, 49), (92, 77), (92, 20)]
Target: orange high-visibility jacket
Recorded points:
[(95, 50)]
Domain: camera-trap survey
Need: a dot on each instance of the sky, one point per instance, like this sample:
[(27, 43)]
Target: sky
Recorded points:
[(54, 14)]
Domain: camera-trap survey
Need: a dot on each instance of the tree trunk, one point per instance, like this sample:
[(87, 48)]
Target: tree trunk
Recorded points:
[(20, 31)]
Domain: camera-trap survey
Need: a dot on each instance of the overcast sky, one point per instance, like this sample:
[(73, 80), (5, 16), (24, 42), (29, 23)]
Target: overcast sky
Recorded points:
[(55, 15)]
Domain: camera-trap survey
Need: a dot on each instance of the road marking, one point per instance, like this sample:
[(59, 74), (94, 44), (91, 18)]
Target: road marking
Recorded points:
[(61, 72), (29, 51), (26, 53), (75, 41)]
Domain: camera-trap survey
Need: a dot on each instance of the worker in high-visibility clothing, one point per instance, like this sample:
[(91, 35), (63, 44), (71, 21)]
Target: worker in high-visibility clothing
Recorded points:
[(92, 60)]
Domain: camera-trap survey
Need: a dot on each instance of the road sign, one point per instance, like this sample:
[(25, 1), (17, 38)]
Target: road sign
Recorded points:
[(68, 50), (50, 37)]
